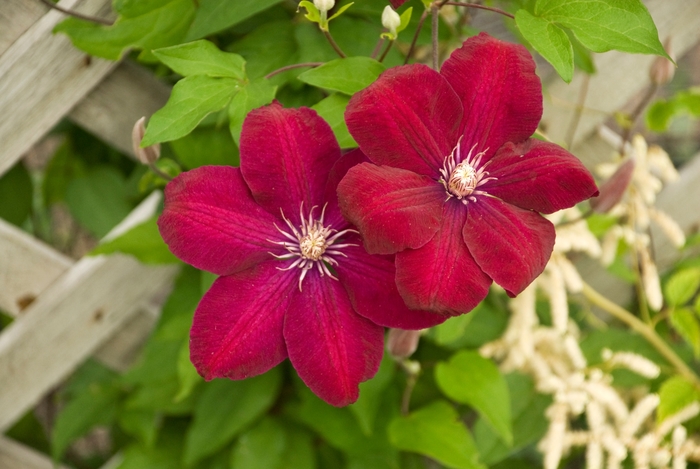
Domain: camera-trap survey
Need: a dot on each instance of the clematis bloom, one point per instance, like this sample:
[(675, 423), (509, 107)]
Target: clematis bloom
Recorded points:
[(456, 182), (295, 281)]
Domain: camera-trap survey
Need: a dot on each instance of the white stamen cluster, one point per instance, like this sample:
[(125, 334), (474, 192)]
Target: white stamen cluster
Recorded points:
[(312, 244), (462, 178)]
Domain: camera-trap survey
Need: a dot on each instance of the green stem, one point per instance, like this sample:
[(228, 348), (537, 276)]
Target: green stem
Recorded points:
[(642, 329), (480, 7), (92, 19), (293, 66), (386, 51), (334, 45), (434, 9), (415, 36)]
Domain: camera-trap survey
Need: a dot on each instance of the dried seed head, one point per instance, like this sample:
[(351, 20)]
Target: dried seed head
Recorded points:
[(147, 155), (401, 343), (613, 189)]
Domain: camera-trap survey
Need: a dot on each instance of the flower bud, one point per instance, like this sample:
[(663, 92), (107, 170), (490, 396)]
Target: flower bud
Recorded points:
[(662, 69), (146, 155), (390, 20), (613, 189), (324, 5), (401, 343)]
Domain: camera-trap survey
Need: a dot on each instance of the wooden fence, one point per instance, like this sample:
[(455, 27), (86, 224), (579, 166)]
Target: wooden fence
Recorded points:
[(66, 311)]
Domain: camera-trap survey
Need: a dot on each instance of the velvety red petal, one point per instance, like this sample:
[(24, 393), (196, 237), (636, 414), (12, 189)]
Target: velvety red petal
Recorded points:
[(539, 176), (340, 168), (510, 244), (286, 157), (237, 327), (331, 346), (394, 209), (442, 276), (501, 95), (371, 285), (409, 118), (397, 3), (211, 221)]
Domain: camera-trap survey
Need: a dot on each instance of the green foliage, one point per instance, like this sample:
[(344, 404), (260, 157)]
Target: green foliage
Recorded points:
[(371, 396), (143, 242), (332, 109), (192, 99), (202, 58), (216, 15), (255, 94), (662, 112), (686, 323), (225, 408), (675, 394), (16, 195), (468, 378), (347, 76), (599, 25), (682, 286), (206, 146), (436, 431), (141, 25)]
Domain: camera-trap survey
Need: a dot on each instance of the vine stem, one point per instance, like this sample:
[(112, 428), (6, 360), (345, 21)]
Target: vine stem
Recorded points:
[(415, 36), (75, 14), (293, 66), (160, 173), (480, 7), (386, 51), (642, 329), (434, 34), (334, 45), (636, 114)]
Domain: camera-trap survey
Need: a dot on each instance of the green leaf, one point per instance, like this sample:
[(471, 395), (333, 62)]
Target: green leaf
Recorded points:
[(469, 378), (261, 447), (528, 421), (299, 452), (348, 75), (371, 394), (166, 454), (659, 115), (312, 14), (186, 373), (151, 25), (341, 10), (549, 40), (686, 323), (257, 93), (452, 329), (96, 405), (405, 19), (216, 15), (681, 287), (206, 146), (225, 408), (436, 431), (603, 25), (98, 200), (332, 109), (16, 195), (141, 424), (202, 58), (675, 394), (143, 242), (192, 99)]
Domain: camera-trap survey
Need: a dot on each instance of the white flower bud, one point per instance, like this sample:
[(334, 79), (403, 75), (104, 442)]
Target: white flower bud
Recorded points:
[(146, 155), (401, 343), (390, 19), (324, 5)]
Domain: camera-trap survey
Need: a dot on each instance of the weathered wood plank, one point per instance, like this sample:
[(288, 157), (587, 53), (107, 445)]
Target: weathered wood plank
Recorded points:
[(112, 108), (14, 455), (620, 76), (28, 266), (71, 319), (16, 16), (42, 76)]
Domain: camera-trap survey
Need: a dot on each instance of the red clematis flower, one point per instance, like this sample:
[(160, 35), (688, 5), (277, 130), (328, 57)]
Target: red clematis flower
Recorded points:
[(295, 280), (456, 182), (397, 3)]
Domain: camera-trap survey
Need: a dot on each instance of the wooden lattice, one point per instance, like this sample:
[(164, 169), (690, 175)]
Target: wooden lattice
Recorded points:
[(66, 311)]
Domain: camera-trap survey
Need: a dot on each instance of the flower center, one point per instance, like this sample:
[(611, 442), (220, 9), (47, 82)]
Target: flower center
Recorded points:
[(311, 244), (461, 179)]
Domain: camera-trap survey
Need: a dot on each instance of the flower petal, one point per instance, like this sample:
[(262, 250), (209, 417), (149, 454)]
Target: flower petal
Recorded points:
[(409, 118), (211, 221), (394, 209), (397, 3), (442, 276), (340, 168), (539, 176), (501, 95), (286, 156), (331, 346), (371, 285), (237, 327), (510, 244)]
